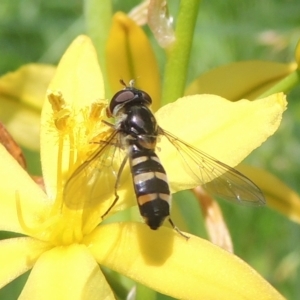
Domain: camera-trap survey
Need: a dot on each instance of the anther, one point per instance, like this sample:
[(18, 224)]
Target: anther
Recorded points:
[(56, 100), (97, 109), (61, 113)]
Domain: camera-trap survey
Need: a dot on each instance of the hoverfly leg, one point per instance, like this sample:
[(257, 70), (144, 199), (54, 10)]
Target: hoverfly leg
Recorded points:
[(116, 186), (178, 230), (108, 124), (112, 205)]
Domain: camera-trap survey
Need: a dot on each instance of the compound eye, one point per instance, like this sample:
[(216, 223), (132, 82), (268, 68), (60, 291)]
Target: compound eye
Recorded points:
[(122, 96), (146, 97), (119, 98)]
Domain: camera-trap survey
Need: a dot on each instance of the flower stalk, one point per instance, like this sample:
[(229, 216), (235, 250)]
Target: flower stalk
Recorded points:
[(285, 85), (179, 53), (98, 17)]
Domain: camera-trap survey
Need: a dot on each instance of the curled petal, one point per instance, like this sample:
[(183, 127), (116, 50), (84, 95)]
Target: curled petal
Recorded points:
[(161, 23), (215, 224), (130, 56), (139, 13), (184, 269)]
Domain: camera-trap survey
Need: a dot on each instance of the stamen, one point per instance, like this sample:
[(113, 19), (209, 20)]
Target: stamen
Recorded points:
[(96, 110), (59, 175), (61, 119), (61, 113), (95, 116), (30, 230), (76, 132), (56, 100)]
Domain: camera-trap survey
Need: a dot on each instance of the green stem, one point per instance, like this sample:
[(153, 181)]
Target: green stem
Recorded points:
[(179, 54), (98, 17), (284, 85)]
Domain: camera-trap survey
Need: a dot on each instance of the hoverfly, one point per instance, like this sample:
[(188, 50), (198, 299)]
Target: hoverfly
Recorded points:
[(135, 134)]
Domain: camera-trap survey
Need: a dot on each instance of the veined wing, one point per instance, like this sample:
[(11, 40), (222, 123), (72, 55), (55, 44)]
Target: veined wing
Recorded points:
[(93, 182), (217, 178)]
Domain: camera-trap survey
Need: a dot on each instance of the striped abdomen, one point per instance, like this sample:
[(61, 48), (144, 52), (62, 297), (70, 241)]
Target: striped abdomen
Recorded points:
[(151, 186)]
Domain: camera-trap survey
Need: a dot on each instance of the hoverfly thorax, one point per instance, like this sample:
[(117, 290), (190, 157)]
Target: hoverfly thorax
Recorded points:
[(130, 108)]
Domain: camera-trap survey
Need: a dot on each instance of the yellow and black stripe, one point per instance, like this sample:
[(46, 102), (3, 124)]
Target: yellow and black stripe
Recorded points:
[(151, 185)]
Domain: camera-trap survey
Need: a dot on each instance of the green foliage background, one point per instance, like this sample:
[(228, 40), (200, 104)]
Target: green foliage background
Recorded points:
[(226, 31)]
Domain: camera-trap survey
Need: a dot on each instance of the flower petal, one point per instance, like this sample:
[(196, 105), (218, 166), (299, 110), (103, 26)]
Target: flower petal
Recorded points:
[(66, 273), (78, 75), (172, 265), (16, 184), (241, 80), (228, 131), (79, 79), (18, 255), (22, 123), (130, 56), (28, 84), (22, 93), (279, 196)]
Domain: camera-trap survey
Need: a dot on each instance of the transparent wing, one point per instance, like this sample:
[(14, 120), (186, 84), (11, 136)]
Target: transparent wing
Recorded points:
[(218, 179), (94, 181)]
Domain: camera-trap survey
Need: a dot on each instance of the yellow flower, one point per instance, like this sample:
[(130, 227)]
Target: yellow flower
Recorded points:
[(64, 238)]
